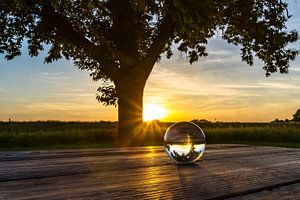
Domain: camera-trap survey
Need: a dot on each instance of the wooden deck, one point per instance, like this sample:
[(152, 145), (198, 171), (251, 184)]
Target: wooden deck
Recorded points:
[(226, 172)]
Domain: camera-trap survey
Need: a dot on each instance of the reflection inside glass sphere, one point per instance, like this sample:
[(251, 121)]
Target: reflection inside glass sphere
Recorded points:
[(185, 142)]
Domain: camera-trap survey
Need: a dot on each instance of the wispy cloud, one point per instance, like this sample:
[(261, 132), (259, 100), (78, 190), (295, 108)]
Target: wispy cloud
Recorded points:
[(221, 86), (55, 76), (58, 106), (69, 94), (295, 69), (3, 91), (51, 74), (261, 85)]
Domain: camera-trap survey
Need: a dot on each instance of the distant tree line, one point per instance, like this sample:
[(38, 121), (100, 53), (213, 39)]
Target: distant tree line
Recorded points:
[(296, 118), (201, 121)]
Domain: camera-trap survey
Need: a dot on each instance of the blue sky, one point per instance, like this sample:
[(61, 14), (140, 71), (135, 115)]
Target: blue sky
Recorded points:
[(219, 86)]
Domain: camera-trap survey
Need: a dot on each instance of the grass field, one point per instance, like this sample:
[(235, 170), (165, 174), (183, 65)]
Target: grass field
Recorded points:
[(57, 135)]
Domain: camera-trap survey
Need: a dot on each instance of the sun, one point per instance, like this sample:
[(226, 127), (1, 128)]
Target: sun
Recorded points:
[(153, 112)]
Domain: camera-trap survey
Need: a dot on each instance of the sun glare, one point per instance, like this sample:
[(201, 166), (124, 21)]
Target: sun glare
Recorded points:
[(153, 112)]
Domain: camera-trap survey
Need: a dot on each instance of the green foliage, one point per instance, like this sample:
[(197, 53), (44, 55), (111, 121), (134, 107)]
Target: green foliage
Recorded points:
[(120, 41), (98, 134), (296, 116), (52, 133), (280, 120), (255, 134)]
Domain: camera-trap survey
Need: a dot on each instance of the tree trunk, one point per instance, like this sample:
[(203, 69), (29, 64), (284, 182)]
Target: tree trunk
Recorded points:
[(130, 113)]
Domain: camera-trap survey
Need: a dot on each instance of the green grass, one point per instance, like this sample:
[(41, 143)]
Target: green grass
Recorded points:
[(257, 134), (70, 135), (57, 139)]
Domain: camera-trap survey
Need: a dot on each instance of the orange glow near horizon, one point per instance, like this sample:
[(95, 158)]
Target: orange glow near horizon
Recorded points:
[(154, 112)]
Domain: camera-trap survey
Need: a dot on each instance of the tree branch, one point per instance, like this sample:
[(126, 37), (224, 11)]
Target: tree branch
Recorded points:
[(64, 29), (165, 31)]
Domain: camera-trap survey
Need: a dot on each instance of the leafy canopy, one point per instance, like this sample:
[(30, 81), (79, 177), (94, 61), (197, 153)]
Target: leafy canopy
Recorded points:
[(121, 40), (296, 116)]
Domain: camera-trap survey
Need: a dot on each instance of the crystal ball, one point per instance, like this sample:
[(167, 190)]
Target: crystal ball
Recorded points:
[(184, 142)]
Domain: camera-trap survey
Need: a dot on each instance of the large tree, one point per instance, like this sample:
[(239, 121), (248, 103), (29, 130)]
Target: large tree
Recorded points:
[(296, 116), (119, 41)]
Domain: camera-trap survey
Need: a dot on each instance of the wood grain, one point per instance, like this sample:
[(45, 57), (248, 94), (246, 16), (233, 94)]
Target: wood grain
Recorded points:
[(226, 171)]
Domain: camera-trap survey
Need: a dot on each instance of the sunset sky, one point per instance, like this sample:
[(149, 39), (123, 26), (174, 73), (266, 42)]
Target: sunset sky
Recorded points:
[(219, 87)]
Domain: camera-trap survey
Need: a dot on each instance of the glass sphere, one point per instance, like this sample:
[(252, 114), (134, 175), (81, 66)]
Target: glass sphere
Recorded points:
[(184, 142)]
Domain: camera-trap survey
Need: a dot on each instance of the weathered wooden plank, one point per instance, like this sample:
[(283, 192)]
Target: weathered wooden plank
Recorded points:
[(32, 155), (215, 154), (70, 166), (44, 154), (290, 192), (180, 182), (146, 174)]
